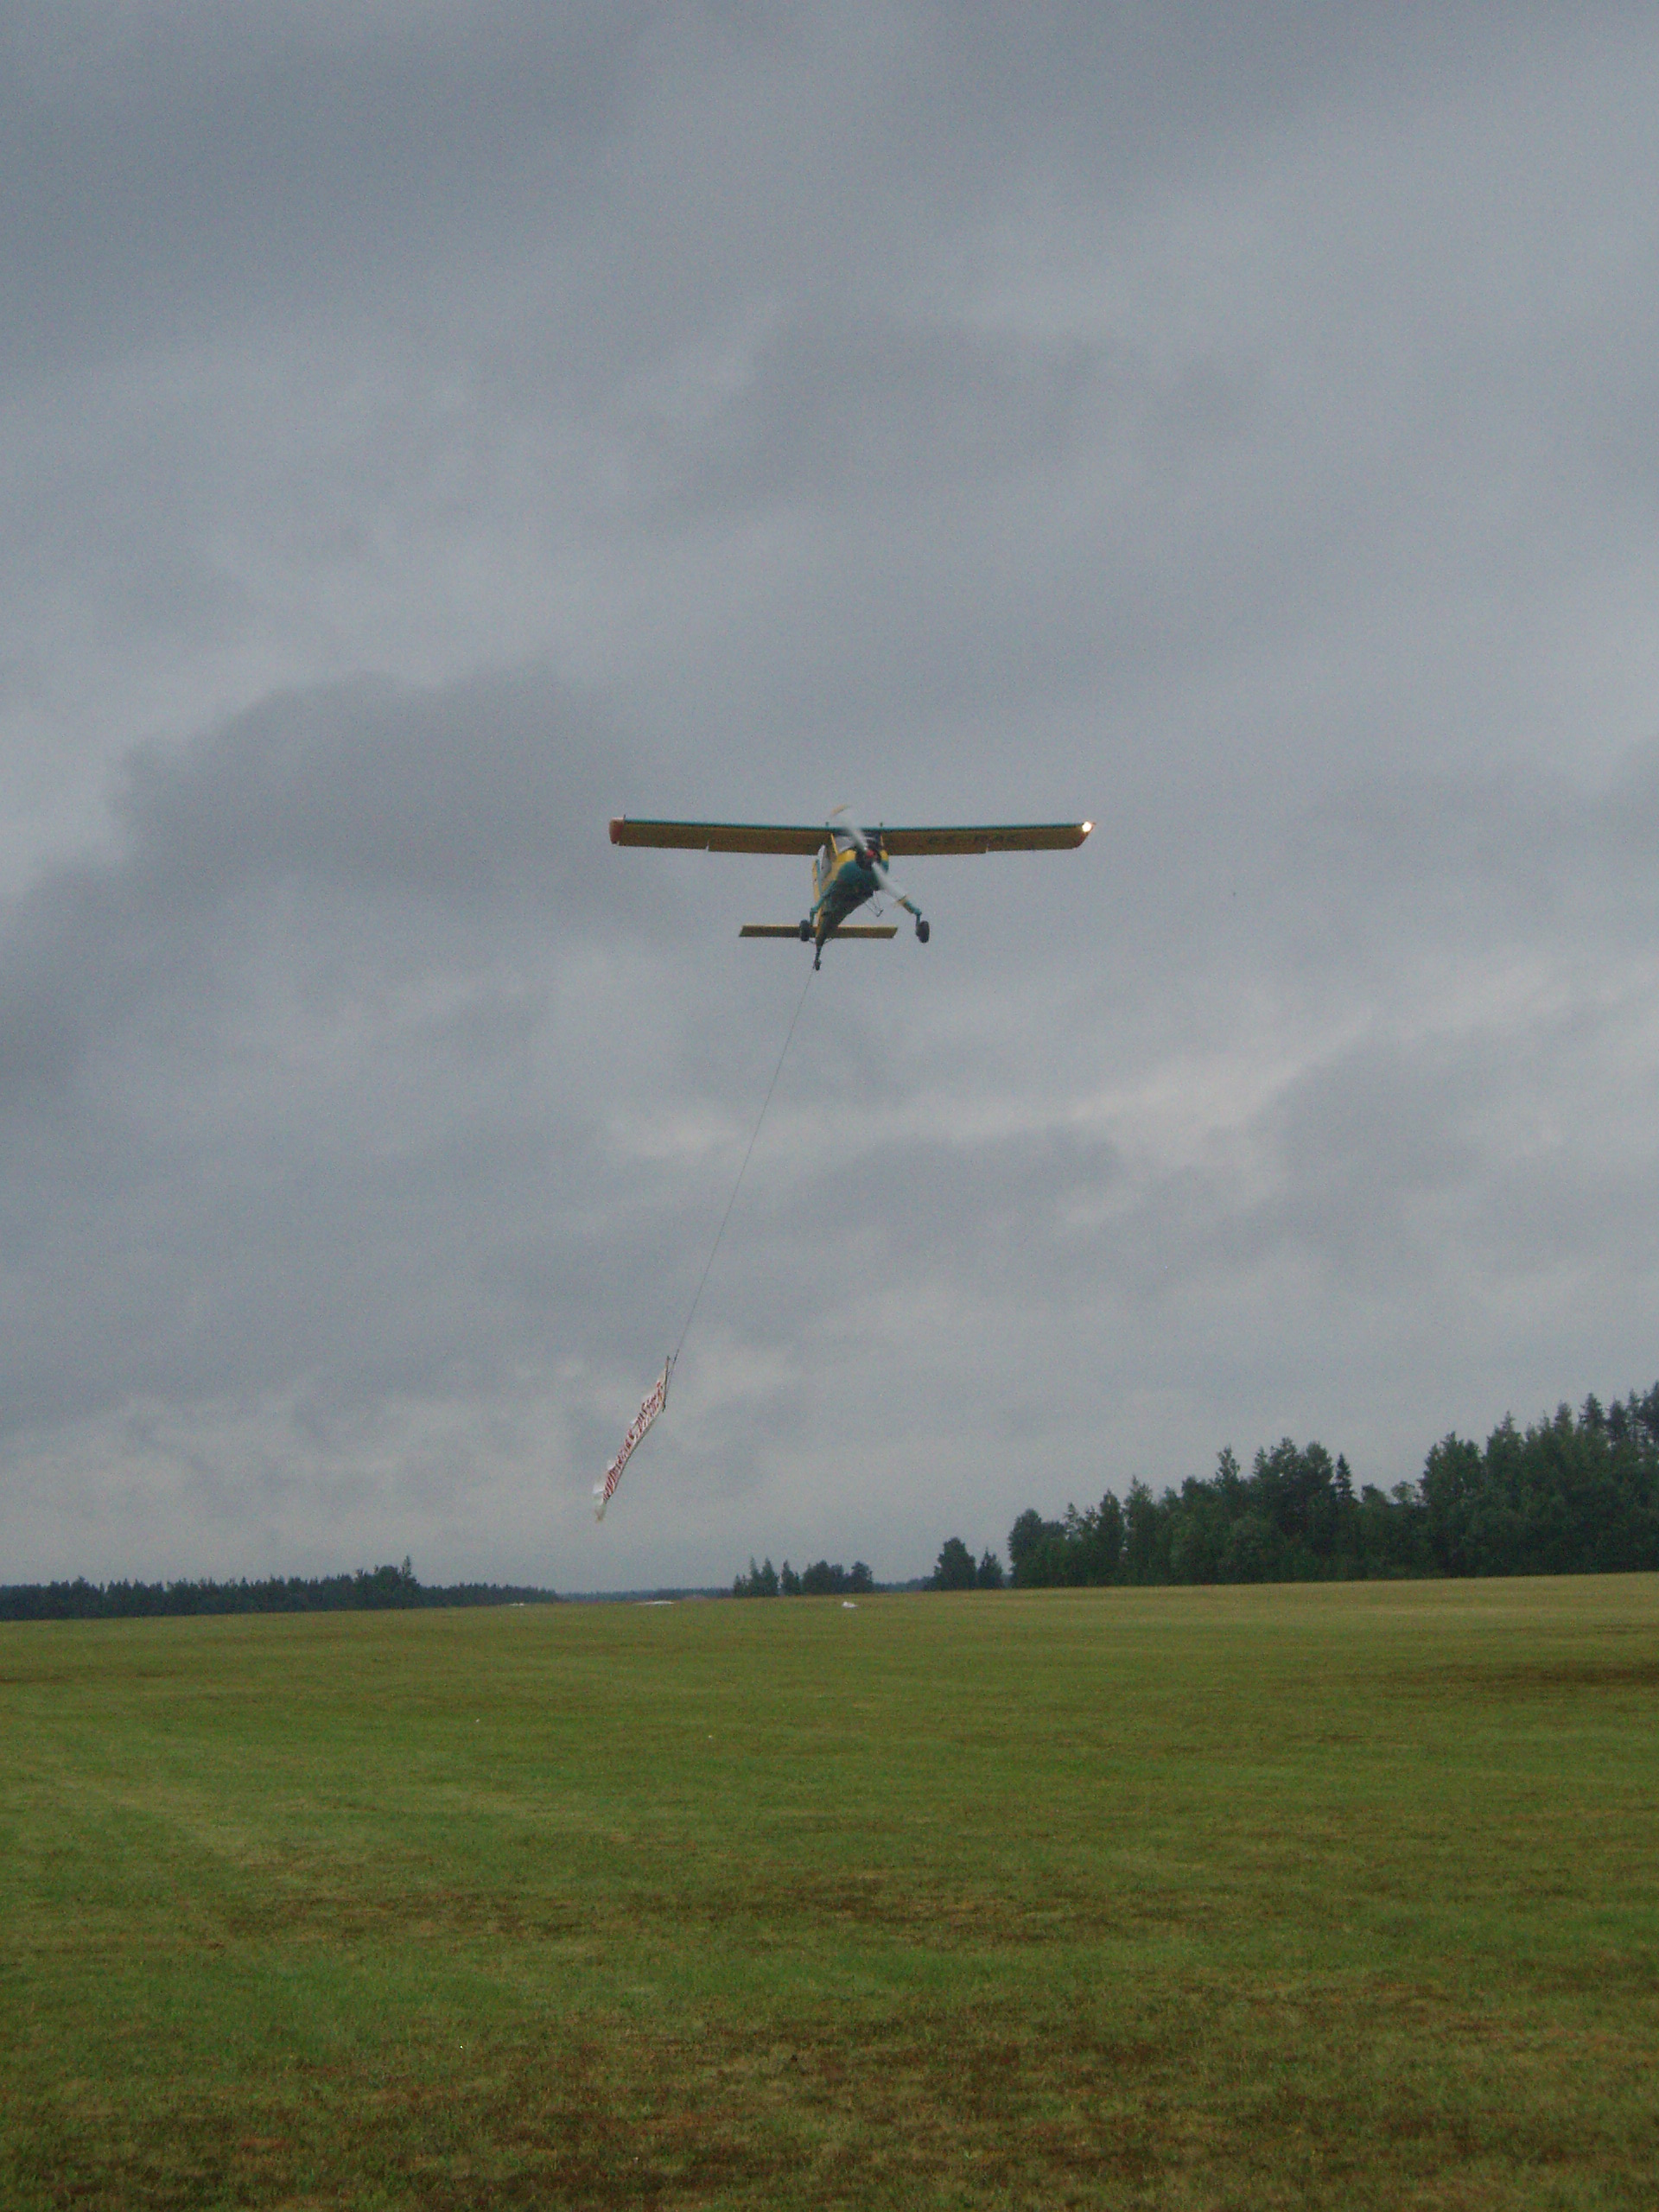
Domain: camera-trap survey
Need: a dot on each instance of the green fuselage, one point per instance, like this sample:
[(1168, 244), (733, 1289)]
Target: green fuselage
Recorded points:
[(841, 881)]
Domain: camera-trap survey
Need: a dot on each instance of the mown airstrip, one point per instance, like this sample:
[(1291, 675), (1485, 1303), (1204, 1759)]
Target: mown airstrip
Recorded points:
[(1341, 1894)]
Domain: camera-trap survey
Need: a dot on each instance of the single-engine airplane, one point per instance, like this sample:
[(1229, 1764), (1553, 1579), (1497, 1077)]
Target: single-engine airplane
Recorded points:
[(849, 865)]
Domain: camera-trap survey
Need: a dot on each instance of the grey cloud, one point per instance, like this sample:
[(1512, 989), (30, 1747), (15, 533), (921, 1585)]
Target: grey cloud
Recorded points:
[(974, 1209), (306, 1085), (832, 413), (1228, 426), (1475, 862), (481, 802), (417, 1207), (289, 161), (237, 1160), (493, 788), (260, 166)]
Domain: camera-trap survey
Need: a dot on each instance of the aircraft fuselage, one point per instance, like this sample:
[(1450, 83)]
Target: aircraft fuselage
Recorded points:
[(843, 879)]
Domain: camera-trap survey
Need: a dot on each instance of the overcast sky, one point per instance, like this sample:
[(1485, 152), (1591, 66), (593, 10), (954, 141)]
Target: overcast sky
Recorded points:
[(430, 429)]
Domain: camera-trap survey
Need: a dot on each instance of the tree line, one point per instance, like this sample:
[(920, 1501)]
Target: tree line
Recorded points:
[(819, 1580), (957, 1570), (1572, 1494), (367, 1589)]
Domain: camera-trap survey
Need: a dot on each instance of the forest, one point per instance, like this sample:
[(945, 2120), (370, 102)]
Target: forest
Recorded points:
[(1572, 1494), (819, 1580), (367, 1591)]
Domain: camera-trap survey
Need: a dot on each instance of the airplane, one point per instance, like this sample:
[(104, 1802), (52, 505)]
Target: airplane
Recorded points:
[(850, 866)]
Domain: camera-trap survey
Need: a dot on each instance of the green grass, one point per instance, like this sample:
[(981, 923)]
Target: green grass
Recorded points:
[(1344, 1895)]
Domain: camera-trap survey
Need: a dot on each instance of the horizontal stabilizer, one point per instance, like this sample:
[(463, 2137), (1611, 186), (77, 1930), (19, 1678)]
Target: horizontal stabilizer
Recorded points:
[(793, 929)]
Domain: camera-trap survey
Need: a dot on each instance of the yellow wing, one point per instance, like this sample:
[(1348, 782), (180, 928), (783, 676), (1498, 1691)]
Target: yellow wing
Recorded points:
[(723, 836), (806, 838), (987, 838)]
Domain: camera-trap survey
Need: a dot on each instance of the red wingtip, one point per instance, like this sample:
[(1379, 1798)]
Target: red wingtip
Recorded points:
[(616, 828)]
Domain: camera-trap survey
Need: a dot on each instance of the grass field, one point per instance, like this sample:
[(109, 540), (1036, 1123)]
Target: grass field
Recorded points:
[(1344, 1895)]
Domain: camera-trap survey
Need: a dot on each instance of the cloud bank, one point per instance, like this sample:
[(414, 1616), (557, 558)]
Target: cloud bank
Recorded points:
[(430, 432)]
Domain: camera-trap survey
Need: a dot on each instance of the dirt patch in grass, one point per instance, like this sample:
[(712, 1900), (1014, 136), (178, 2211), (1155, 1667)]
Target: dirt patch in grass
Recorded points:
[(1460, 1683), (1199, 2102), (1581, 1674)]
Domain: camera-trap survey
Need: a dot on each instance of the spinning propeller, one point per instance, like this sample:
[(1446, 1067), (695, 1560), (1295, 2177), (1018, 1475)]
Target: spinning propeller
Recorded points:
[(869, 854)]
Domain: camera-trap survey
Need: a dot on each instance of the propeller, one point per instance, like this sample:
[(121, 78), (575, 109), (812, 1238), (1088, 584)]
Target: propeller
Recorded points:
[(869, 853)]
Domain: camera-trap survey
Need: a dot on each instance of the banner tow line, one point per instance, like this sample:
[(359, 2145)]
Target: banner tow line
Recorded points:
[(658, 1397)]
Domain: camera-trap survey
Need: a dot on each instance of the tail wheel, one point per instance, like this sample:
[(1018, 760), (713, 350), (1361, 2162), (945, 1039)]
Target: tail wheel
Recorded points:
[(922, 932)]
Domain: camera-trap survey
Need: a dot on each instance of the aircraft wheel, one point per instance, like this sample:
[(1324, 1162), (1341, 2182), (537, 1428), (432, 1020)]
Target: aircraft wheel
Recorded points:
[(806, 932), (922, 932)]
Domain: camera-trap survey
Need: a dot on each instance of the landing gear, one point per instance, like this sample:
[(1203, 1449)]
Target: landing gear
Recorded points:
[(922, 932), (806, 932)]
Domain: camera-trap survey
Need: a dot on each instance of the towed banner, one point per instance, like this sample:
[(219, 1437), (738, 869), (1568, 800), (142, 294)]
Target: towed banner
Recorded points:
[(606, 1491)]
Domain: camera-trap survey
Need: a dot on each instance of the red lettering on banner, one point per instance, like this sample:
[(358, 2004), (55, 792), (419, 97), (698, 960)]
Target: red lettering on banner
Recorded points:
[(642, 1420)]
